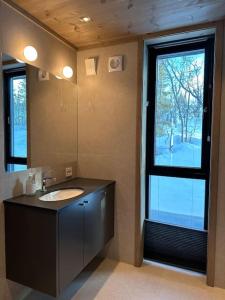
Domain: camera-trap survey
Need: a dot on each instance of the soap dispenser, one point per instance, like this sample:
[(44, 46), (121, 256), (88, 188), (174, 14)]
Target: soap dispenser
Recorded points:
[(30, 185)]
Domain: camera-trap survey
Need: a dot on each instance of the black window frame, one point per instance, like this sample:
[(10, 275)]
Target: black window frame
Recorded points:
[(206, 43), (8, 74)]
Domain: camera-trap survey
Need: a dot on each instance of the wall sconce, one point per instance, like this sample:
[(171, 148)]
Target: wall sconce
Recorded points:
[(68, 72), (30, 53)]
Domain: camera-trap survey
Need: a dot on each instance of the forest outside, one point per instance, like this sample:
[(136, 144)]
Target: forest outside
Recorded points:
[(178, 138)]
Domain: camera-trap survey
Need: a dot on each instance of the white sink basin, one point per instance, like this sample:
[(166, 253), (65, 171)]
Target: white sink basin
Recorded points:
[(62, 195)]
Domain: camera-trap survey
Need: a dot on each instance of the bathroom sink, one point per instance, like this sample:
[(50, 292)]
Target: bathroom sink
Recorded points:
[(62, 195)]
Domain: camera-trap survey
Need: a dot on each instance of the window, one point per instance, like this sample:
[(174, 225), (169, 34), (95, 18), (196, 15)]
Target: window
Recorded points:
[(15, 98), (178, 133), (180, 78), (177, 201), (179, 109)]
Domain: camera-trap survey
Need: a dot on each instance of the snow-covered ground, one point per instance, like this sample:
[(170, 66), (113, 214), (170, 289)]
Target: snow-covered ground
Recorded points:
[(20, 141)]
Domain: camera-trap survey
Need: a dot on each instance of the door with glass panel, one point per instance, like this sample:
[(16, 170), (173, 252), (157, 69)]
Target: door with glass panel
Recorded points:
[(178, 152)]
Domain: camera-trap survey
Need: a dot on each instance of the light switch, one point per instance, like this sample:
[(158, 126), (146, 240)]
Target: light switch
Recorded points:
[(90, 64), (69, 172)]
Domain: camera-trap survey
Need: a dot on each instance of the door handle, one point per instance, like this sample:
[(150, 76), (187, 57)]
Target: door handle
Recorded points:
[(85, 201), (81, 204)]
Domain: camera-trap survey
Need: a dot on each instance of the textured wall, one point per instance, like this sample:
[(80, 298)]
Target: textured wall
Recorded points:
[(107, 132), (15, 32), (52, 121)]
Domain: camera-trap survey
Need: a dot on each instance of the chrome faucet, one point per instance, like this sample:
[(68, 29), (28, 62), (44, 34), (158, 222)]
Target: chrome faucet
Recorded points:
[(44, 183)]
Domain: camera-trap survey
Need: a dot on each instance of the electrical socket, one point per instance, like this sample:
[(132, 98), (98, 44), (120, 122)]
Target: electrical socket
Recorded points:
[(69, 172)]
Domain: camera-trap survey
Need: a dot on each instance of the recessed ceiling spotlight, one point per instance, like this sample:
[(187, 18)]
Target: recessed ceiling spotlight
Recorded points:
[(85, 19)]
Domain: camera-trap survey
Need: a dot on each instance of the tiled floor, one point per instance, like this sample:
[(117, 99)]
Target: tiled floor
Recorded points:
[(120, 281)]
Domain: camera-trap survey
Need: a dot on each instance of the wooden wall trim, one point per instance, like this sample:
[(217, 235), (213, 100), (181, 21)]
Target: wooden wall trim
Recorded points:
[(179, 30), (38, 23), (138, 255), (215, 138), (151, 35), (110, 43)]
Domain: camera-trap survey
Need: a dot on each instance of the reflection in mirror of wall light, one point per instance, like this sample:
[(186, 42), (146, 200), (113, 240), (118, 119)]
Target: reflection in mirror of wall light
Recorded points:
[(20, 61), (68, 72), (30, 53), (85, 19)]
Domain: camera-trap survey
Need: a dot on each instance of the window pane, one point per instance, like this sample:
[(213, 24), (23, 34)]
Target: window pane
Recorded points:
[(179, 109), (177, 201), (18, 117)]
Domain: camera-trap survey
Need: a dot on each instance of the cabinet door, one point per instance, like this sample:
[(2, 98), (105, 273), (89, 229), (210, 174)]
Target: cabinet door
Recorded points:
[(71, 240), (93, 226)]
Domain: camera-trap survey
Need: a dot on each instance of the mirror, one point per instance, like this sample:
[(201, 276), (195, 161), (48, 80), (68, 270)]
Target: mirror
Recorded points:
[(40, 117)]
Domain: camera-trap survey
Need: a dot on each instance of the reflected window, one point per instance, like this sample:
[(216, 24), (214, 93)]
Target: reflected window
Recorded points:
[(15, 94)]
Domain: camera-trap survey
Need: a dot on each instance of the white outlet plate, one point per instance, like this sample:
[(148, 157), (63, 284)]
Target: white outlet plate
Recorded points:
[(115, 63), (69, 172)]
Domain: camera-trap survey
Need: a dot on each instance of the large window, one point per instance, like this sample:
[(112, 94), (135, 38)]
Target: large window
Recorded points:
[(15, 119), (179, 109), (178, 133), (178, 151)]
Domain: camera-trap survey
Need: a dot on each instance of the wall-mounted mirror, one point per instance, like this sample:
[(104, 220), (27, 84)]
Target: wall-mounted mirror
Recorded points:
[(40, 117)]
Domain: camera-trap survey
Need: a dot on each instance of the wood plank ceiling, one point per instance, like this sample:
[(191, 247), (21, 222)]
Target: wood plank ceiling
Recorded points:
[(118, 19)]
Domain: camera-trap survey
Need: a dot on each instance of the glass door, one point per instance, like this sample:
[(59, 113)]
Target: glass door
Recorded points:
[(178, 146)]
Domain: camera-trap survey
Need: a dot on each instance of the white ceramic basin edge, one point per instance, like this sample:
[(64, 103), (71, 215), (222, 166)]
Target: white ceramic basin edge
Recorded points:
[(60, 195)]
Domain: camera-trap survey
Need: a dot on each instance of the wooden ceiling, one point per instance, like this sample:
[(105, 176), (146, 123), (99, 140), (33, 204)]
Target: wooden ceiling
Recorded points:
[(118, 19)]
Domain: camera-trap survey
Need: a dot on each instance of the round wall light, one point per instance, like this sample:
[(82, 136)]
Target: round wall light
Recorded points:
[(68, 72), (30, 53)]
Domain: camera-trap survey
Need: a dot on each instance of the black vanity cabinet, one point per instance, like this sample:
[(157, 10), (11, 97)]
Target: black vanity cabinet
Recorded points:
[(46, 249), (93, 231), (71, 242)]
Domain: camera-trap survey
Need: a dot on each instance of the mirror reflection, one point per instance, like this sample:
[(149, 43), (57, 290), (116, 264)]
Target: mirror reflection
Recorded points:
[(40, 114)]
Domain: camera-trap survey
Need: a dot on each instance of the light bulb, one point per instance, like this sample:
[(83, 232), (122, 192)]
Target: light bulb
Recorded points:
[(68, 72), (30, 53)]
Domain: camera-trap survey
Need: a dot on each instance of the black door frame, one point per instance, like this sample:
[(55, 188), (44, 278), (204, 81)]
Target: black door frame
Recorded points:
[(206, 43)]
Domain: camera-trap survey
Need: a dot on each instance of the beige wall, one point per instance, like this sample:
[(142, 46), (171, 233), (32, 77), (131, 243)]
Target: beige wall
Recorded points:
[(15, 32), (52, 122), (106, 138), (106, 135)]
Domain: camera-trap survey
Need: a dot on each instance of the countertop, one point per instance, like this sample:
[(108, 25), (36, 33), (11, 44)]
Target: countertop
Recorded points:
[(88, 185)]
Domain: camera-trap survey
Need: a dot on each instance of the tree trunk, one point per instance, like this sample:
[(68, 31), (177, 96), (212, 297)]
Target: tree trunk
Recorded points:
[(187, 116)]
